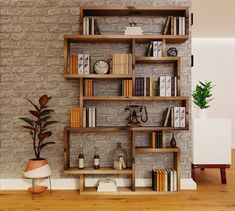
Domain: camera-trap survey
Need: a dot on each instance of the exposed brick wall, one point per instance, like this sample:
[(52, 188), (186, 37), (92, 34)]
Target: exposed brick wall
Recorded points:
[(31, 34)]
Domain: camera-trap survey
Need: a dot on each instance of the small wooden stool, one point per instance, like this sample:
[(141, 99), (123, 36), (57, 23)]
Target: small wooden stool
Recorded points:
[(222, 168)]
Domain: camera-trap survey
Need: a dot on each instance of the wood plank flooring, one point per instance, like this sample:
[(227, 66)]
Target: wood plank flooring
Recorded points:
[(211, 195)]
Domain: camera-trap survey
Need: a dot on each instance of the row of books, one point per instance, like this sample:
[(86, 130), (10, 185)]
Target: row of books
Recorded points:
[(164, 180), (121, 64), (143, 86), (79, 64), (174, 26), (89, 116), (127, 88), (174, 117), (90, 26), (154, 49), (75, 120), (88, 88), (167, 86), (158, 140)]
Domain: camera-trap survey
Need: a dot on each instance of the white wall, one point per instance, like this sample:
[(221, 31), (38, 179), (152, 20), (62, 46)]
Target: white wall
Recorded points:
[(215, 61)]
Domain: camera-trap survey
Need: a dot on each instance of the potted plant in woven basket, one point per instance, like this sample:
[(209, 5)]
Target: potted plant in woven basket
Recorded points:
[(38, 127)]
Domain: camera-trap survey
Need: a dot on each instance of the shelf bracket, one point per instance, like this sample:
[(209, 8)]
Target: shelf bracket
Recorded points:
[(192, 60), (192, 21)]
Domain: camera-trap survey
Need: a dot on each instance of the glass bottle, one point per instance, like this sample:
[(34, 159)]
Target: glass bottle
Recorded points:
[(81, 161), (173, 141), (96, 159), (119, 157)]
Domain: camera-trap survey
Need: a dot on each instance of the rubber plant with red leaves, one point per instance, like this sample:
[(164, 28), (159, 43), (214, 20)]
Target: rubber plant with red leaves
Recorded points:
[(38, 126)]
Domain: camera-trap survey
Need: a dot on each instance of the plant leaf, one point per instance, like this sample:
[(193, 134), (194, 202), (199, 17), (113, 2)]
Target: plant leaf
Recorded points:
[(35, 113), (29, 121), (46, 112), (49, 123), (45, 118), (29, 127), (43, 100), (35, 106), (47, 143), (42, 136)]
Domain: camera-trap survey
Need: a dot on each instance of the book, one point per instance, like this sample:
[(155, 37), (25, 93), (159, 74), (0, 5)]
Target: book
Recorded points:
[(176, 117), (84, 117), (167, 117), (97, 28), (86, 63), (75, 121), (153, 140), (162, 84), (166, 27), (80, 63), (172, 25), (168, 86), (149, 50), (175, 183), (183, 26), (155, 48), (182, 117), (154, 172), (107, 185)]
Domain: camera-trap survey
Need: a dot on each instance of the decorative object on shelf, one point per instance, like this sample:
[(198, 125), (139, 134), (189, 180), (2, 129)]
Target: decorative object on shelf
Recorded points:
[(101, 67), (173, 141), (172, 52), (81, 159), (119, 157), (138, 115), (38, 129), (154, 49), (133, 29), (202, 96), (96, 159), (107, 185)]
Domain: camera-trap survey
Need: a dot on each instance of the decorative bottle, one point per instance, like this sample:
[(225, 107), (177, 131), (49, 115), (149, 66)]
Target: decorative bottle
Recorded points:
[(96, 159), (81, 161), (120, 157), (173, 141)]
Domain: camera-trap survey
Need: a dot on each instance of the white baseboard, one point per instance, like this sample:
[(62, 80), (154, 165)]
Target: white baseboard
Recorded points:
[(73, 184)]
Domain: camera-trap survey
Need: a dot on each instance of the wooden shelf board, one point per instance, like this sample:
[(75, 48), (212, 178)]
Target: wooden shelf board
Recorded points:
[(96, 76), (134, 11), (76, 171), (123, 191), (156, 60), (135, 98), (125, 38), (156, 128), (96, 129), (152, 150)]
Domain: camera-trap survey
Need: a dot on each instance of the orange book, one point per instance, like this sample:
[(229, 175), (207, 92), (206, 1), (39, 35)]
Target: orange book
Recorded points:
[(127, 87), (158, 180), (163, 180), (130, 88), (76, 64), (70, 64), (151, 86), (153, 140), (71, 118), (73, 71), (91, 88)]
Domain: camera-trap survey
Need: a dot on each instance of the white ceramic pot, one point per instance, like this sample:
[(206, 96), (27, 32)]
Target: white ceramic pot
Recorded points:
[(202, 113)]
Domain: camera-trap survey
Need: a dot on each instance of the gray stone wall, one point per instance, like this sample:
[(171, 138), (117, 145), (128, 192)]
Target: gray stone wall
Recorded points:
[(31, 64)]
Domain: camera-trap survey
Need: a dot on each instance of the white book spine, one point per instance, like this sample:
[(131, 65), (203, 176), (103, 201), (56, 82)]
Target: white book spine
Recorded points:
[(168, 86), (86, 63), (165, 179), (175, 91), (175, 25), (176, 116), (80, 63), (172, 180), (90, 117), (155, 48), (162, 84), (84, 117), (182, 116), (183, 26), (93, 117), (159, 52), (175, 180), (84, 26), (180, 26)]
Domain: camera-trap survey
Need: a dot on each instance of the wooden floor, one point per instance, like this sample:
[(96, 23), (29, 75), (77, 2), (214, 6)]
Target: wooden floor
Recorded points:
[(211, 195)]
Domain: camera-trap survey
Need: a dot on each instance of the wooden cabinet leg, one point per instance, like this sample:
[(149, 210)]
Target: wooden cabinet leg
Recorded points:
[(81, 183), (223, 175), (193, 172)]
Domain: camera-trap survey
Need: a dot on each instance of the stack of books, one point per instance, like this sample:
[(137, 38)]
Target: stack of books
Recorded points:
[(143, 86), (167, 86), (164, 180), (90, 26), (88, 88), (79, 64), (127, 88), (75, 119), (89, 117), (154, 49), (121, 64), (107, 185), (158, 140), (174, 117), (174, 26)]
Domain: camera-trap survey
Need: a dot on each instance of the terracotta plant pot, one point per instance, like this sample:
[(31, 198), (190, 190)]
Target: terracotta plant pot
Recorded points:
[(37, 189), (37, 169)]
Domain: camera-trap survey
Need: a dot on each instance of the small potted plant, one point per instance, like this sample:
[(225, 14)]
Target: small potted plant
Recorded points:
[(202, 96), (38, 127)]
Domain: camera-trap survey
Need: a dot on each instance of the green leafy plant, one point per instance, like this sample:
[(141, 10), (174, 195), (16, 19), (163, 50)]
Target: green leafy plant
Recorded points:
[(202, 94), (38, 126)]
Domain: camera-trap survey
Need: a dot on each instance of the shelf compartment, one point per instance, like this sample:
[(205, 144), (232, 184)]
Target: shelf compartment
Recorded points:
[(97, 76), (76, 171), (156, 60), (135, 98), (134, 11), (95, 129), (125, 38), (156, 128), (155, 150)]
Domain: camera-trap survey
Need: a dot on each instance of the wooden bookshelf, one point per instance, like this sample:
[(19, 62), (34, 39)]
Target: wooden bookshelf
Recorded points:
[(132, 41)]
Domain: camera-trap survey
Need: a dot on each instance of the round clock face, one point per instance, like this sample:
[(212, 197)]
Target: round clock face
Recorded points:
[(172, 52), (101, 67)]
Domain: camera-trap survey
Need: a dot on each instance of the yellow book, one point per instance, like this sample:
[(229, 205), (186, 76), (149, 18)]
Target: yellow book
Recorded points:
[(70, 64)]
